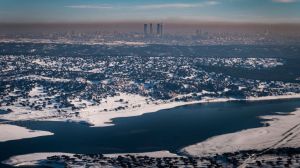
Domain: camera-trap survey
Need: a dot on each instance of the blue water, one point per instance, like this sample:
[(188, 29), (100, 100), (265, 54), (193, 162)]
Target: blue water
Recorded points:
[(3, 112), (169, 129)]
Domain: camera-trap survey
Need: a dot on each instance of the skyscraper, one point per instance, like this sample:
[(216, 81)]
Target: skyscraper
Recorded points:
[(145, 29), (158, 29), (151, 29), (161, 30), (151, 32), (198, 32)]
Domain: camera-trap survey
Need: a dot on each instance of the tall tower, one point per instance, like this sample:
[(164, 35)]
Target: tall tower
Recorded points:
[(198, 32), (158, 29), (151, 29), (145, 29), (161, 30)]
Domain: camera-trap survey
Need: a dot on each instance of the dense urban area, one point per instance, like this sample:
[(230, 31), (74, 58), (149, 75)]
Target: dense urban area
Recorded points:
[(152, 33)]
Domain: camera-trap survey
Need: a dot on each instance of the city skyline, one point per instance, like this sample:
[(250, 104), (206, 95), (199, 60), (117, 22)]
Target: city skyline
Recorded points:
[(257, 11)]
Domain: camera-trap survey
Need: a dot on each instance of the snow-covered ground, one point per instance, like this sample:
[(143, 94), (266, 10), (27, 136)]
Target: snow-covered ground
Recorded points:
[(36, 96), (11, 132), (137, 105), (96, 114), (39, 77), (30, 159), (35, 158), (287, 96), (150, 154), (283, 131), (101, 114), (247, 63)]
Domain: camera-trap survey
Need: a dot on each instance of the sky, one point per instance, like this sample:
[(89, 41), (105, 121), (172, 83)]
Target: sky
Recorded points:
[(262, 11)]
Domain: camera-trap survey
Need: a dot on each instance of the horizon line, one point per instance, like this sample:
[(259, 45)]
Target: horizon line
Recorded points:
[(185, 22)]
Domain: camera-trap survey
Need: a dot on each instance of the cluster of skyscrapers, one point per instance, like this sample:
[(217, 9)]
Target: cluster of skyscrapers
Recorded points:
[(149, 30)]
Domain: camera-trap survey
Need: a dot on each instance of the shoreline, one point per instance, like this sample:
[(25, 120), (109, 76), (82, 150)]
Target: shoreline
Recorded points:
[(282, 157), (33, 159), (107, 117), (104, 119), (282, 131), (95, 116), (229, 140), (12, 132), (281, 97)]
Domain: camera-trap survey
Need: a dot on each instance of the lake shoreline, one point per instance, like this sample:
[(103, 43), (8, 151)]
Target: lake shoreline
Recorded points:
[(180, 153), (104, 119)]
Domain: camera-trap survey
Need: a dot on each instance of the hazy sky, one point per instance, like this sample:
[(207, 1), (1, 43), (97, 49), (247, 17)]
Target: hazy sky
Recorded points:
[(140, 10)]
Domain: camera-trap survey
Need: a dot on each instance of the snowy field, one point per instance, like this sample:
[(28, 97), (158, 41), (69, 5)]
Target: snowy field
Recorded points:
[(12, 132)]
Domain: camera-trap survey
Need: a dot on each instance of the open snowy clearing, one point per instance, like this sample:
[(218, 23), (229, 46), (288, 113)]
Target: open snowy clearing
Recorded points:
[(12, 132)]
